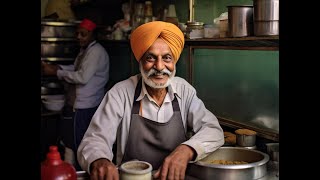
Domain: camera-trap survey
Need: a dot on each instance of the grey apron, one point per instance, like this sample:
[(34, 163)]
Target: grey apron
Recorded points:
[(152, 141)]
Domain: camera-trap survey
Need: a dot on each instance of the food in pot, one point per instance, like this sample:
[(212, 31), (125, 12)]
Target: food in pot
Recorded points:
[(226, 162), (247, 132)]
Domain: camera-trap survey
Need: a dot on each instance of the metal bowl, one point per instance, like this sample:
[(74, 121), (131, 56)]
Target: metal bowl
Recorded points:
[(256, 167), (53, 105)]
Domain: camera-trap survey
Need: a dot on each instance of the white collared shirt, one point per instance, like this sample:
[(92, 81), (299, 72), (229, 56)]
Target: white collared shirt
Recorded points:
[(91, 77), (115, 111)]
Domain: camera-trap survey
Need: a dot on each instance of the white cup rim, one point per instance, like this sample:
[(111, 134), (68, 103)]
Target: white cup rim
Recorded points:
[(131, 171)]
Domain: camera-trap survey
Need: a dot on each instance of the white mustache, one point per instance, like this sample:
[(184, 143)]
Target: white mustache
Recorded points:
[(158, 73)]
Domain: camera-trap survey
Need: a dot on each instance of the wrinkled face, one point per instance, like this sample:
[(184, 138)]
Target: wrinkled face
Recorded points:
[(84, 36), (157, 65)]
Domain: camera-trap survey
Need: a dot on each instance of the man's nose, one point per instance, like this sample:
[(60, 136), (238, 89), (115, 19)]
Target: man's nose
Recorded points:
[(159, 64)]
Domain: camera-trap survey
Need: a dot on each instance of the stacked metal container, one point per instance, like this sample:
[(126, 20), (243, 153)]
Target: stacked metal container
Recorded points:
[(58, 46), (58, 42), (240, 21), (266, 17)]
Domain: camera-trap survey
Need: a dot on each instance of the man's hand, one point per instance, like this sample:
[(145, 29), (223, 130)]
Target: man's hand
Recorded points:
[(103, 169), (174, 166), (49, 69)]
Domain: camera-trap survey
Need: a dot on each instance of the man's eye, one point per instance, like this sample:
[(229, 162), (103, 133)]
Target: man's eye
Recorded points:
[(150, 58), (167, 58)]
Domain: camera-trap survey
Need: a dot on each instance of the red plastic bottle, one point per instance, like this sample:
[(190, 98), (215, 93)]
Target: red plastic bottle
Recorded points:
[(53, 168)]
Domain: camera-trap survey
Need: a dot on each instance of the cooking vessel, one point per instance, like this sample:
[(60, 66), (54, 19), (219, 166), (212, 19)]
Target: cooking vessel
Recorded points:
[(67, 49), (273, 151), (58, 29), (255, 169), (49, 88), (266, 10), (266, 17), (240, 21), (244, 140), (266, 28)]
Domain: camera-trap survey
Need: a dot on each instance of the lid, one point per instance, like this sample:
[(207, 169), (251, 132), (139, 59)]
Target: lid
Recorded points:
[(194, 23), (53, 153)]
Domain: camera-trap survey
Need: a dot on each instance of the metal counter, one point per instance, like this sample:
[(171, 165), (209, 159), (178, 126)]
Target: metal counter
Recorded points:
[(272, 173)]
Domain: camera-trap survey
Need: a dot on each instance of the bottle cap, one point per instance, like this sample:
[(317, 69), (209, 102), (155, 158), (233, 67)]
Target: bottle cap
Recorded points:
[(53, 153)]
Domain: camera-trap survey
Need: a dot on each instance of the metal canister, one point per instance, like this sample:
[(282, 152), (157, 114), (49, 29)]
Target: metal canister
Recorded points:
[(194, 30), (240, 20), (266, 17)]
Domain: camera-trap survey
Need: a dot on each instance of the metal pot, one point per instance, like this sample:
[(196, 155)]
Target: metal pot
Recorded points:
[(266, 10), (266, 28), (246, 140), (273, 151), (256, 167), (240, 21), (266, 17)]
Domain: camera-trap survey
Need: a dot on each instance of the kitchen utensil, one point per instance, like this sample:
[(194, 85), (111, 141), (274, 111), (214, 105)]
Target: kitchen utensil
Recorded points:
[(194, 30), (136, 170), (245, 140), (266, 17), (273, 151), (266, 10), (58, 29), (266, 28), (66, 49), (54, 105), (245, 137), (240, 21), (254, 169)]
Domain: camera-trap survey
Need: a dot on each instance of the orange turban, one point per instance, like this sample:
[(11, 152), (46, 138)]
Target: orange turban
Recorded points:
[(144, 36)]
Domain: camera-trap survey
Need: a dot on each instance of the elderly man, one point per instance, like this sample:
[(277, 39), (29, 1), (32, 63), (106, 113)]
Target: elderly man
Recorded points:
[(149, 113)]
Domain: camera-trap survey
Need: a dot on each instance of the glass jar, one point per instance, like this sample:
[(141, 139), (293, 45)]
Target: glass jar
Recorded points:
[(194, 30)]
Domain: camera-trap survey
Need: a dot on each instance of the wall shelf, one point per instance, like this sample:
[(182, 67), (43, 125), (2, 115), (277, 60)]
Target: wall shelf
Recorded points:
[(267, 43)]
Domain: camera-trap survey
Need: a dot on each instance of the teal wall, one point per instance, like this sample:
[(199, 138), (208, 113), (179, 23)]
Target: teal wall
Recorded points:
[(242, 85), (182, 65)]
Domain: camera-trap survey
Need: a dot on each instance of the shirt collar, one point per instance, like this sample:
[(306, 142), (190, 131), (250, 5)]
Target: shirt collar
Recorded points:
[(144, 92), (91, 44)]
